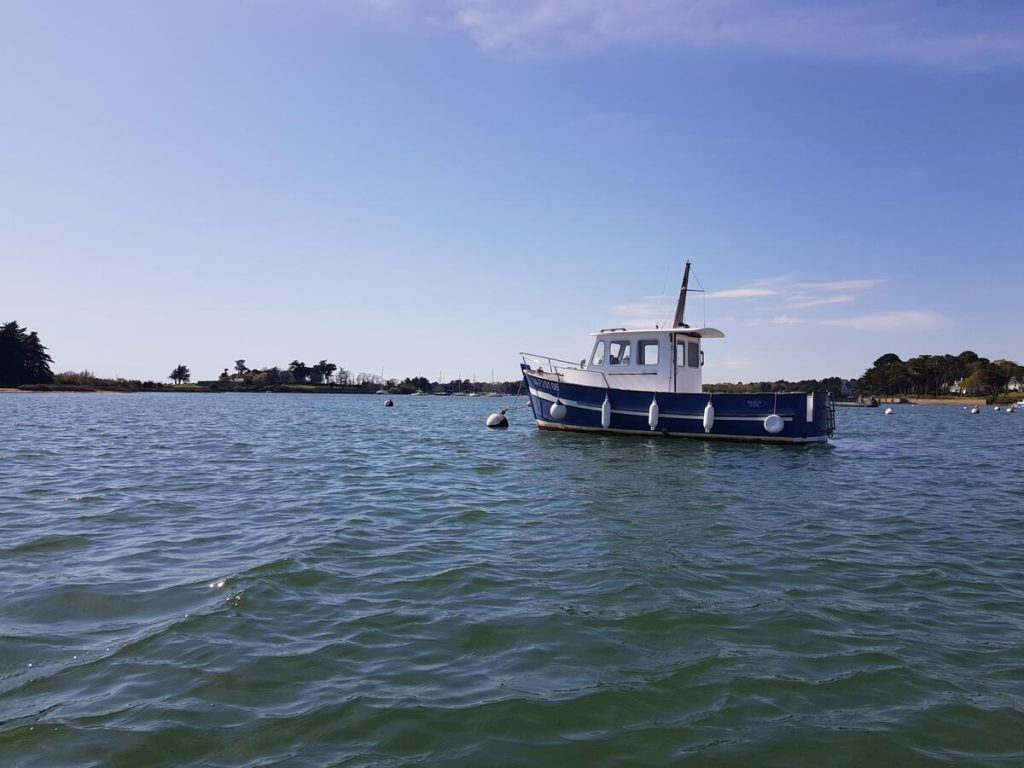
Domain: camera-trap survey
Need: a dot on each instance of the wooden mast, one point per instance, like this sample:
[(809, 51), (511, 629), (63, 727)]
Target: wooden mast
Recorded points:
[(681, 304)]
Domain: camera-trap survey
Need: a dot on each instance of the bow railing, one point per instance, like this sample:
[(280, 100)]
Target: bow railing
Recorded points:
[(553, 364)]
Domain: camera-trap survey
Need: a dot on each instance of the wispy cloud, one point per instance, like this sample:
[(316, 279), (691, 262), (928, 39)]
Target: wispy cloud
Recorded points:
[(841, 285), (925, 33), (801, 301), (877, 322), (799, 295), (787, 294), (742, 293), (903, 320)]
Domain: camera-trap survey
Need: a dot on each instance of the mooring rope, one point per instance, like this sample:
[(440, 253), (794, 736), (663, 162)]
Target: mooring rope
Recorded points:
[(512, 407)]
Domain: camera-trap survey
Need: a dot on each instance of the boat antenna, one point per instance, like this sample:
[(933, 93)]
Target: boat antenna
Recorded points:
[(681, 304), (701, 289)]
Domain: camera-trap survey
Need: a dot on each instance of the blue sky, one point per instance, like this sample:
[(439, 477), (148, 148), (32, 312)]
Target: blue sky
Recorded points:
[(432, 187)]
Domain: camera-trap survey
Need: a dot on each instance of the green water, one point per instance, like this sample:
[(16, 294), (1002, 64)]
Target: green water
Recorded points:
[(257, 580)]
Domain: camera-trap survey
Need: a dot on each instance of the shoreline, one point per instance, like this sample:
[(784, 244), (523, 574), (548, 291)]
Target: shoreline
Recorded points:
[(968, 401), (947, 401)]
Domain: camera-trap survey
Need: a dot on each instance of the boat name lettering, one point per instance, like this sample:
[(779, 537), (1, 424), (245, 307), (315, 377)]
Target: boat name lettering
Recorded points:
[(755, 404), (550, 386)]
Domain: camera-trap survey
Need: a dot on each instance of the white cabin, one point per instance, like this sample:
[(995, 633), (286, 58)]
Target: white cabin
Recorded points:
[(654, 360)]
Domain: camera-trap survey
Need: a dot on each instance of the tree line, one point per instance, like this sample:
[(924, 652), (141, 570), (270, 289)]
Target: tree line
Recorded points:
[(327, 374), (891, 376), (296, 372), (935, 375)]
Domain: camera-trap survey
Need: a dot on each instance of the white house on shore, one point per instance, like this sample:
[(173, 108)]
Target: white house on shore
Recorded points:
[(956, 388)]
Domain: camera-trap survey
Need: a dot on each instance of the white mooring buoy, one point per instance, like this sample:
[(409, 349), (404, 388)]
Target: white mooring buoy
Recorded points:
[(388, 403), (888, 411), (975, 409), (498, 420)]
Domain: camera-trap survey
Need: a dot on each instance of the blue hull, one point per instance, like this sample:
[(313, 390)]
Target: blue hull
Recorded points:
[(806, 417)]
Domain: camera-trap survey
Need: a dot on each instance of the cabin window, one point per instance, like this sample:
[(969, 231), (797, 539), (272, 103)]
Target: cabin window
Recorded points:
[(693, 354), (680, 353), (598, 358), (647, 352), (618, 353)]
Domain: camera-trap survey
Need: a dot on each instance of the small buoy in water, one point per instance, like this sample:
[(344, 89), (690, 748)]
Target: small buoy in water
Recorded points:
[(996, 408), (558, 410), (975, 409), (888, 411), (497, 420), (388, 403)]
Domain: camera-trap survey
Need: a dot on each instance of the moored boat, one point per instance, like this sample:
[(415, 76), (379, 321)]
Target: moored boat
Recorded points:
[(650, 381), (871, 402)]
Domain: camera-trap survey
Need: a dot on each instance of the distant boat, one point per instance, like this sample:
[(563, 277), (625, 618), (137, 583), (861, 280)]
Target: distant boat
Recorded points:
[(382, 392), (649, 381), (871, 402)]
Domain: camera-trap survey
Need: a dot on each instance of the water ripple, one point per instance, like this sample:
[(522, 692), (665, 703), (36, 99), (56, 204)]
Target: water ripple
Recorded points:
[(250, 580)]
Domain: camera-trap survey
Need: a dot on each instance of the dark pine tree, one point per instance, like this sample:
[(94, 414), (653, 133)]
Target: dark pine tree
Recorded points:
[(180, 375), (23, 358)]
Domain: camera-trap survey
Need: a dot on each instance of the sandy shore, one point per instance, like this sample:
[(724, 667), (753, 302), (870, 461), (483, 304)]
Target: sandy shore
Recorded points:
[(968, 401)]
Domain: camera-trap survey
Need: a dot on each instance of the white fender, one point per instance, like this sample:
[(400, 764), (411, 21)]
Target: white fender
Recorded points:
[(774, 424), (606, 413), (558, 410), (652, 413), (709, 416)]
